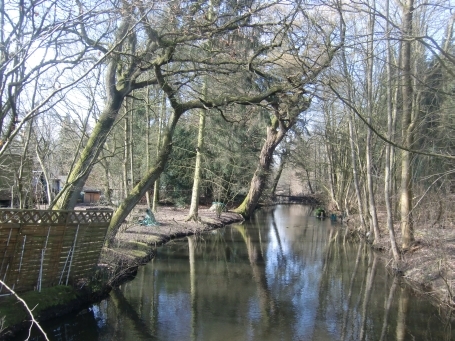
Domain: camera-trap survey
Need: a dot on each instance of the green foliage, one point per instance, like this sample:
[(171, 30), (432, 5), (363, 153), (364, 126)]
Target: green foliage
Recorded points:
[(231, 154), (177, 179)]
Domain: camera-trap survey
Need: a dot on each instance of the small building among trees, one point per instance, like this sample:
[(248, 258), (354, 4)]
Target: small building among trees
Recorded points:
[(91, 195)]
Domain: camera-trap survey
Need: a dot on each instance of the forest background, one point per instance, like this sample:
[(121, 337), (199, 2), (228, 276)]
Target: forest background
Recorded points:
[(186, 100)]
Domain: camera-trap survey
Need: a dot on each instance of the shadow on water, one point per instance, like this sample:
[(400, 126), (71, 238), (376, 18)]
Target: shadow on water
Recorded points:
[(283, 276)]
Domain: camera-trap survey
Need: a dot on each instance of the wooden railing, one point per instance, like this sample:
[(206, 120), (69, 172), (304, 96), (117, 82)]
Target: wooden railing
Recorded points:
[(41, 248)]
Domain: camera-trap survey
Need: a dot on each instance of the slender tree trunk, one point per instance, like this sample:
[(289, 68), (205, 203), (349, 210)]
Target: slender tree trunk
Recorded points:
[(331, 172), (107, 186), (408, 125), (156, 185), (22, 167), (309, 182), (45, 173), (370, 184), (352, 143), (126, 149), (131, 144), (147, 143), (194, 207), (277, 177), (355, 174), (389, 152)]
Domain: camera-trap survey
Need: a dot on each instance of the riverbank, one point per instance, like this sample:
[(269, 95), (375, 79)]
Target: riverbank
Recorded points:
[(427, 266), (133, 246)]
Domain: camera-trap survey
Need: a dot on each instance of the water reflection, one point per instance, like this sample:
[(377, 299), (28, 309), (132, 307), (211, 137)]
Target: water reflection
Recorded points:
[(284, 276)]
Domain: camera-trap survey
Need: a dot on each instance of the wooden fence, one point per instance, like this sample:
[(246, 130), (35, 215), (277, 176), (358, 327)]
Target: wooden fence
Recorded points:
[(41, 248)]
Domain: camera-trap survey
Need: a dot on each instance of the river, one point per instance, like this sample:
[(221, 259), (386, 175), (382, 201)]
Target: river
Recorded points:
[(283, 276)]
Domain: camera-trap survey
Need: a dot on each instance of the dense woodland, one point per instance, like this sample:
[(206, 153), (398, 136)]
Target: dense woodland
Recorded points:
[(212, 99)]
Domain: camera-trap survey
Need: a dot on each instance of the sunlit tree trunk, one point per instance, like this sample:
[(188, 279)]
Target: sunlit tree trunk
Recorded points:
[(261, 175), (370, 54), (389, 152), (131, 143), (353, 142), (161, 119), (105, 164), (194, 207), (355, 173), (80, 171), (126, 149), (278, 173), (147, 143), (408, 127), (283, 118), (44, 169)]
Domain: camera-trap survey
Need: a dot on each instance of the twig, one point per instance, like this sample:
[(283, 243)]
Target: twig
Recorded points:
[(27, 308)]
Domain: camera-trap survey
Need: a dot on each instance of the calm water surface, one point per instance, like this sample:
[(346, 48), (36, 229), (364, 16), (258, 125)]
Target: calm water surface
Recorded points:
[(283, 276)]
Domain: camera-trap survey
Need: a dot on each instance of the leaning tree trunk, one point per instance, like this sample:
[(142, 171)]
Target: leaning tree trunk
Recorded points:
[(67, 198), (144, 184), (261, 175)]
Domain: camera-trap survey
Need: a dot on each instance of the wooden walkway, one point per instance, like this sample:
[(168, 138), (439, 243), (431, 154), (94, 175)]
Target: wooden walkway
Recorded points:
[(308, 200)]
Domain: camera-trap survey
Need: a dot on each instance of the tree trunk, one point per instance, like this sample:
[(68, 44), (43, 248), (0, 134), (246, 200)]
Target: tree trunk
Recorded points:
[(146, 182), (107, 186), (389, 151), (156, 185), (22, 167), (194, 207), (331, 172), (285, 115), (126, 149), (147, 143), (308, 181), (355, 174), (67, 198), (408, 125), (352, 139), (260, 177), (277, 177), (131, 143), (370, 184)]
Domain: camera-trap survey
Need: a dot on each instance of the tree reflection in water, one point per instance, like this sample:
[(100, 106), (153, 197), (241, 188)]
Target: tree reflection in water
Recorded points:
[(283, 276)]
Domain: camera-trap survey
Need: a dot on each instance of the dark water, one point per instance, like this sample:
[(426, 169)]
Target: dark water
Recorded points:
[(284, 276)]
